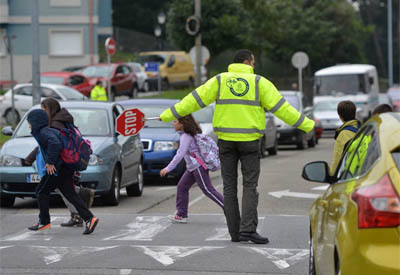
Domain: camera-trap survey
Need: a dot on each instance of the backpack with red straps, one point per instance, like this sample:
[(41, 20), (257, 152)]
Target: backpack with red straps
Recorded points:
[(209, 152)]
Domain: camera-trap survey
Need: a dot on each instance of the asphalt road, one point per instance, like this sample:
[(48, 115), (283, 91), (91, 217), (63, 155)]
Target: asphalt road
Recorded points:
[(137, 238)]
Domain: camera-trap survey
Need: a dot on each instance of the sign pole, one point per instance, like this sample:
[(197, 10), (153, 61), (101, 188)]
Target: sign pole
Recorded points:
[(300, 79), (108, 79), (197, 12)]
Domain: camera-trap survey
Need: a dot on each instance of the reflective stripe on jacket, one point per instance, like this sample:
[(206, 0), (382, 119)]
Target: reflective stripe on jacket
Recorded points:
[(240, 97), (98, 93)]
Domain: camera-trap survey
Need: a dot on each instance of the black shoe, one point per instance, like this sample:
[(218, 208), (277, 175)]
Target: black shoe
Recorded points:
[(254, 237), (75, 220), (91, 225), (39, 227), (235, 240)]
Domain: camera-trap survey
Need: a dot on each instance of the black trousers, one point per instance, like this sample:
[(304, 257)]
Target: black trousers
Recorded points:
[(63, 181), (230, 153)]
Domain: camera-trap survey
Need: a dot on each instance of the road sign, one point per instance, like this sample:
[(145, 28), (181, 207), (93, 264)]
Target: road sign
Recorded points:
[(130, 122), (151, 66), (300, 60), (205, 55), (111, 46)]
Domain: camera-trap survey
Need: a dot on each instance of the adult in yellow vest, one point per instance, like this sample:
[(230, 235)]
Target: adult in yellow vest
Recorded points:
[(239, 122), (98, 92)]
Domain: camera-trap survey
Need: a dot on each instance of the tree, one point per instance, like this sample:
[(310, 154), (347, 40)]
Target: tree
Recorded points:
[(222, 25)]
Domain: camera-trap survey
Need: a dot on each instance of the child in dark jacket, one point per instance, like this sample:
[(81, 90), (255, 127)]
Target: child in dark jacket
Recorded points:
[(57, 176)]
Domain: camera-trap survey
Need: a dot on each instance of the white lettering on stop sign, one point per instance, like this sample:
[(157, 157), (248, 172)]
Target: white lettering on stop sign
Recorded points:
[(130, 121)]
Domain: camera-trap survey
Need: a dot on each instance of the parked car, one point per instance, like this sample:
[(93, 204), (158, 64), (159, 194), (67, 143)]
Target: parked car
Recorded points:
[(394, 94), (23, 99), (288, 135), (71, 79), (73, 69), (325, 110), (116, 162), (122, 78), (176, 67), (160, 140), (269, 142), (354, 225), (141, 75)]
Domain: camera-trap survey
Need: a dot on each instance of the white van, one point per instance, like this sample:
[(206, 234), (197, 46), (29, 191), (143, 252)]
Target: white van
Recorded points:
[(360, 80)]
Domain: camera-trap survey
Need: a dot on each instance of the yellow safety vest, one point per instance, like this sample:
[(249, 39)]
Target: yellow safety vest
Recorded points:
[(98, 93), (240, 98)]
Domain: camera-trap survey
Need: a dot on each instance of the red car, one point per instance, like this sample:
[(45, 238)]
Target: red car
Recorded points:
[(122, 78), (72, 79)]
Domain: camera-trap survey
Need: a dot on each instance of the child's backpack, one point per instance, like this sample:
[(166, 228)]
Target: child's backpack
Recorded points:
[(209, 152), (76, 150)]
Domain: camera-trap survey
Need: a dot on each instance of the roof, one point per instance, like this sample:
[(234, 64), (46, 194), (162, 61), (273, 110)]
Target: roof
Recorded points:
[(346, 69), (153, 101)]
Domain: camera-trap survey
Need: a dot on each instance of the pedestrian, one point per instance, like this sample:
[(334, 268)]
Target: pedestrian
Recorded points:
[(294, 86), (58, 118), (56, 175), (382, 108), (98, 92), (239, 122), (347, 113), (187, 128)]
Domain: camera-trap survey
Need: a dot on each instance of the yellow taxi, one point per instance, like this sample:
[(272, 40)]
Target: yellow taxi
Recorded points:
[(355, 224)]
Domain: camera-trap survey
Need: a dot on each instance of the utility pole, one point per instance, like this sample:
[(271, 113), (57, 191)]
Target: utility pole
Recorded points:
[(390, 44), (35, 53), (197, 43), (7, 39)]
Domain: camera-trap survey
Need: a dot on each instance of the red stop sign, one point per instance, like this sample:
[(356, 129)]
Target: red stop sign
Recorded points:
[(110, 46), (130, 122)]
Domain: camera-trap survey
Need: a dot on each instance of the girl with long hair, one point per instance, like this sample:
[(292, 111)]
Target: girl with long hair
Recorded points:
[(187, 127)]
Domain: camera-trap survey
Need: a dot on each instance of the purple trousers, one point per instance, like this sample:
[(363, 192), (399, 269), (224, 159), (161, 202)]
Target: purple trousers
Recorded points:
[(201, 176)]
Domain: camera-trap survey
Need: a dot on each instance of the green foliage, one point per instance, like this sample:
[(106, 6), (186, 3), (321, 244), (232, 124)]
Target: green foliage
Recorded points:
[(222, 26), (3, 139), (2, 92), (117, 57)]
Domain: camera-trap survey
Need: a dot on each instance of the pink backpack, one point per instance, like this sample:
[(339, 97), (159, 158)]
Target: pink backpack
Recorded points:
[(209, 152)]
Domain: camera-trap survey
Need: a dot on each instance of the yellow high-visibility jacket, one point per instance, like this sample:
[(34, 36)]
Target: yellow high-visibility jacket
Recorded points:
[(240, 97), (98, 93)]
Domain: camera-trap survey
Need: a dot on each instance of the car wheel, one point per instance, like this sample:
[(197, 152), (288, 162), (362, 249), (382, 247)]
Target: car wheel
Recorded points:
[(312, 141), (7, 200), (146, 87), (112, 197), (136, 189), (301, 144), (274, 150), (191, 82), (262, 147), (165, 84), (311, 263), (134, 91), (11, 117), (112, 96)]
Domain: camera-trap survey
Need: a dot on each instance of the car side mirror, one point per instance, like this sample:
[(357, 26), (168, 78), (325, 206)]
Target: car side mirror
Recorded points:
[(317, 171), (7, 131), (371, 80)]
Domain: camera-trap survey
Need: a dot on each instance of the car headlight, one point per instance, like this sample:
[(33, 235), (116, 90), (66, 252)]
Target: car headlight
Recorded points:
[(8, 160), (165, 145), (95, 160)]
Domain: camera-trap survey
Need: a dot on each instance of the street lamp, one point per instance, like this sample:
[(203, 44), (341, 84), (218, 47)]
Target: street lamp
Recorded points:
[(161, 18), (158, 33)]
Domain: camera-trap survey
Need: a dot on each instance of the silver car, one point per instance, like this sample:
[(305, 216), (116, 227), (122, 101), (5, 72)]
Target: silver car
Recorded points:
[(141, 75), (23, 99)]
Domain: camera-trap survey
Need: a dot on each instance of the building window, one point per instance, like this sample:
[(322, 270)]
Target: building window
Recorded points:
[(66, 42), (65, 3)]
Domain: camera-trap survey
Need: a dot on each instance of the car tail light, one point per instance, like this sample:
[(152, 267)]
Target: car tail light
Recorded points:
[(378, 205)]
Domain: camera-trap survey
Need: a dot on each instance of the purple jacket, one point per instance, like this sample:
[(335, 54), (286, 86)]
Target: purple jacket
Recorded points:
[(186, 147)]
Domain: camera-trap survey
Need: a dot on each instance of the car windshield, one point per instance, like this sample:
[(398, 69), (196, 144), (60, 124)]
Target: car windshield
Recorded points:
[(326, 106), (91, 122), (160, 58), (346, 84), (97, 71), (293, 100), (52, 79), (71, 94)]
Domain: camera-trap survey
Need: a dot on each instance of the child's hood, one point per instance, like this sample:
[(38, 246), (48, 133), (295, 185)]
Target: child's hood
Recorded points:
[(38, 119)]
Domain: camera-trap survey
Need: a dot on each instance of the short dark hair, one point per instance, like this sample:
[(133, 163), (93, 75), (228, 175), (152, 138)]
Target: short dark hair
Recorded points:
[(242, 55), (346, 110), (382, 108), (99, 82)]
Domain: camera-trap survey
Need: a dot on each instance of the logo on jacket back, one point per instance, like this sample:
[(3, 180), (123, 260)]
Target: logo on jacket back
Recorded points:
[(237, 85)]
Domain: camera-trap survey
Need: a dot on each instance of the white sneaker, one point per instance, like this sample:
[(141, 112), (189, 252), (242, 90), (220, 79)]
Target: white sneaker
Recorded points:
[(177, 219)]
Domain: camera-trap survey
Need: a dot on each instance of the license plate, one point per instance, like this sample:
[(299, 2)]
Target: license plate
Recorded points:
[(32, 178)]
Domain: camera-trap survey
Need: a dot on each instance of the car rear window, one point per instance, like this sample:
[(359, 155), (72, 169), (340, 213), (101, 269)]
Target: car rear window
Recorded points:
[(71, 94), (396, 157)]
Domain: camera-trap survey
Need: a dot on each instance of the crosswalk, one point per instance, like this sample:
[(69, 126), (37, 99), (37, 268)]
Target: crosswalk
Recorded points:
[(152, 239)]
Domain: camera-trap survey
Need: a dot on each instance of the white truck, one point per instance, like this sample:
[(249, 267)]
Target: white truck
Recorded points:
[(360, 81)]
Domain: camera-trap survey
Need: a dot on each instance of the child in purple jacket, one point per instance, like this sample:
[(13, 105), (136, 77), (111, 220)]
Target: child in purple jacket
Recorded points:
[(187, 127)]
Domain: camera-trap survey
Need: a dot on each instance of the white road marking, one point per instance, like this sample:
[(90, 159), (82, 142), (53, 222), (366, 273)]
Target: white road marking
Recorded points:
[(287, 193), (3, 247), (282, 258), (321, 188), (222, 235), (144, 228), (165, 188), (125, 271), (168, 254), (53, 254)]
